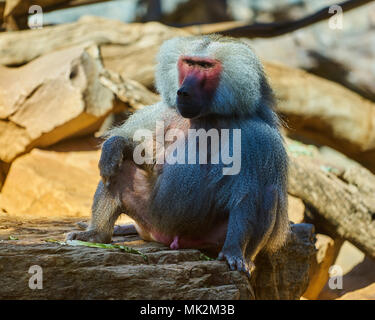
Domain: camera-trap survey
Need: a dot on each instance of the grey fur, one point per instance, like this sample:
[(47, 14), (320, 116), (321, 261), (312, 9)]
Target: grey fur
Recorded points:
[(190, 199)]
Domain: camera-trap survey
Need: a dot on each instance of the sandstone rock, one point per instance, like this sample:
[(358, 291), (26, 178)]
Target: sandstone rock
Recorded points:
[(52, 184), (349, 257), (327, 251), (60, 96), (71, 272), (129, 91), (87, 273), (272, 279), (4, 167)]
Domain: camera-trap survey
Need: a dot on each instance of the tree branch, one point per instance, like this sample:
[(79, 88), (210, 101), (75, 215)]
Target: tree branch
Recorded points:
[(268, 30)]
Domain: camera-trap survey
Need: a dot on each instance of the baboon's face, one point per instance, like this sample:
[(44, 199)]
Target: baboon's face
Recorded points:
[(198, 80)]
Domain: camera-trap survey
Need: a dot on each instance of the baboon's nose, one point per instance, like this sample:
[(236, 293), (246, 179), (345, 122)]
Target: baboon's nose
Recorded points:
[(183, 92)]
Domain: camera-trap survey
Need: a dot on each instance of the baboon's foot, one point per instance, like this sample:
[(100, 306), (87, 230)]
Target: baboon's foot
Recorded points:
[(119, 230), (90, 236), (237, 262)]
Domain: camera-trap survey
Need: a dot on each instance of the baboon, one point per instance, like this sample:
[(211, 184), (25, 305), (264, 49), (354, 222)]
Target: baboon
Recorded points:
[(205, 83)]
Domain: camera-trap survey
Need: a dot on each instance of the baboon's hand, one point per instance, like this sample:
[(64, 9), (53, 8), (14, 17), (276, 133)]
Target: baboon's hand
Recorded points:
[(89, 236), (237, 262), (111, 158)]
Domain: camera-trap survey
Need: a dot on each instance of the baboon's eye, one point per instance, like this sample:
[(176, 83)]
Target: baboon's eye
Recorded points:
[(202, 64), (189, 62)]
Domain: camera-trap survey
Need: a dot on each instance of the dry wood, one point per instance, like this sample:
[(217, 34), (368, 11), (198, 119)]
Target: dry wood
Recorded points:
[(341, 201)]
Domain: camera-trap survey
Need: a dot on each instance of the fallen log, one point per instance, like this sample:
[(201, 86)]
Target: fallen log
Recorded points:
[(23, 46), (341, 202), (273, 29)]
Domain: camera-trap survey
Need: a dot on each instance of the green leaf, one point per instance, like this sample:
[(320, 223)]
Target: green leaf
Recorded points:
[(98, 245), (56, 241), (203, 257), (13, 238)]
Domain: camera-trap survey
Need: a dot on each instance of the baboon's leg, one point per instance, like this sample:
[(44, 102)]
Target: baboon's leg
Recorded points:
[(105, 210), (125, 230), (246, 237), (119, 230)]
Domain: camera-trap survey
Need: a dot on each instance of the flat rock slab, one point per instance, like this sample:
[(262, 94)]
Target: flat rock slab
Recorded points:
[(72, 272)]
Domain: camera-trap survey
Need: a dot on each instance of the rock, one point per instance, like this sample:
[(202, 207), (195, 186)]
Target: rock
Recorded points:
[(367, 293), (296, 209), (4, 167), (129, 91), (71, 272), (349, 257), (274, 277), (327, 251), (52, 184), (120, 59), (60, 96)]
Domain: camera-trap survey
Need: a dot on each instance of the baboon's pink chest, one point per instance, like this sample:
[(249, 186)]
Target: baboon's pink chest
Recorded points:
[(214, 239)]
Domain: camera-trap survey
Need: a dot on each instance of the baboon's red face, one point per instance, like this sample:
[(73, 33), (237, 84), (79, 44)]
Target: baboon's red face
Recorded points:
[(198, 79)]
